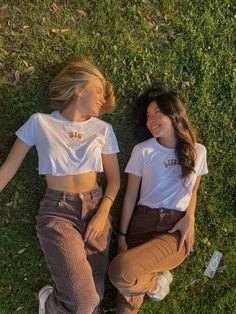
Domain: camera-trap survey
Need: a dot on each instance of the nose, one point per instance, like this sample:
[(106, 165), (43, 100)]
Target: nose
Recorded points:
[(150, 119)]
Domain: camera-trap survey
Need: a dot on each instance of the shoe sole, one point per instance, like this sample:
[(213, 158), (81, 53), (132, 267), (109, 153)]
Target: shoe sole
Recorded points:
[(41, 291), (169, 276)]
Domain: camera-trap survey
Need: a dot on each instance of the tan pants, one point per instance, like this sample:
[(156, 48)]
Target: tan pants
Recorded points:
[(151, 250), (77, 268)]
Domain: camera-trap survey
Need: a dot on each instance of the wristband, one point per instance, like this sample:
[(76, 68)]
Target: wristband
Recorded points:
[(110, 198), (122, 233)]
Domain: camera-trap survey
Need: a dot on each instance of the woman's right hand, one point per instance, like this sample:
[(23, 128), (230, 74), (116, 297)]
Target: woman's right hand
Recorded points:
[(122, 244)]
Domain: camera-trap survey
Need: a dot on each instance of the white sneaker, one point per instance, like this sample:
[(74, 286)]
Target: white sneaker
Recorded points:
[(163, 281), (43, 295)]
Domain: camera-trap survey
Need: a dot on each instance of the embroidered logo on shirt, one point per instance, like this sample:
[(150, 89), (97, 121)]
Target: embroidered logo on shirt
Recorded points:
[(75, 135), (170, 163), (74, 139)]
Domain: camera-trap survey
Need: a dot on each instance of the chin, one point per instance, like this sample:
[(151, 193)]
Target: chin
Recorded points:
[(95, 114)]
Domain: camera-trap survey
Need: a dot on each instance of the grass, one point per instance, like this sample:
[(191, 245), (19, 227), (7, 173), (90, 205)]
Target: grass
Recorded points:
[(189, 46)]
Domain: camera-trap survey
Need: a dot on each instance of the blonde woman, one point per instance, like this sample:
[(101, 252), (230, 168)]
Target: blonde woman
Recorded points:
[(73, 222)]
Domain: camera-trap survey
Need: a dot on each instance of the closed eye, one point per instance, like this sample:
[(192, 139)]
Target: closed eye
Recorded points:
[(99, 90)]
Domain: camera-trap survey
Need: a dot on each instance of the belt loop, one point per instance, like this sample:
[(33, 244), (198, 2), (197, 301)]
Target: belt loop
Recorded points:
[(91, 195), (64, 196)]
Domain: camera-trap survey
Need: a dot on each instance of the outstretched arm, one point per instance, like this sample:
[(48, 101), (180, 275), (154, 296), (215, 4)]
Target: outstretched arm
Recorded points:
[(128, 208), (13, 162), (98, 221), (186, 224)]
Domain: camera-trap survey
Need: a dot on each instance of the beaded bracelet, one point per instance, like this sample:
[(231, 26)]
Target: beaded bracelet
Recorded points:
[(110, 198)]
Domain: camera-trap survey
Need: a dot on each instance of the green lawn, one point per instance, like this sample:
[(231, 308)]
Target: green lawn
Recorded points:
[(189, 46)]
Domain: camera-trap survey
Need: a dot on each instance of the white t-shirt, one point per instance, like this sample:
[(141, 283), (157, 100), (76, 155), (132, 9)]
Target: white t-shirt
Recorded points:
[(161, 185), (68, 147)]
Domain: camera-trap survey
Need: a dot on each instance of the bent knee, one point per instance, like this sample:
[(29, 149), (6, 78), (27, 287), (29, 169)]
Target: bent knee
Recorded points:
[(120, 271)]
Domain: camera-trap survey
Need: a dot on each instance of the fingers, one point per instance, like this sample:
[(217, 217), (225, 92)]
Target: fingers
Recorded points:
[(91, 233), (172, 230), (175, 228), (189, 245), (191, 240), (181, 243)]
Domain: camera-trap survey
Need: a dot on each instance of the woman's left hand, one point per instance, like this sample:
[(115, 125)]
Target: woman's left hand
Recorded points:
[(95, 226), (186, 227)]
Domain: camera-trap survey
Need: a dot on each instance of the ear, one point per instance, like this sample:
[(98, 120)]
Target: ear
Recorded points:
[(78, 91)]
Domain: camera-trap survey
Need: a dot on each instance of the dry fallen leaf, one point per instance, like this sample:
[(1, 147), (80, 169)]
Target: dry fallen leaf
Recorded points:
[(20, 308), (55, 7), (59, 30), (148, 79), (21, 251), (10, 203), (18, 10), (26, 26), (25, 220), (221, 269), (17, 77), (30, 70), (4, 7), (184, 84), (56, 30), (82, 13), (25, 63), (17, 194)]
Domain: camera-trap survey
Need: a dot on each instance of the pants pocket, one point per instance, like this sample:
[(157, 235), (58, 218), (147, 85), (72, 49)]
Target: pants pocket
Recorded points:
[(167, 221)]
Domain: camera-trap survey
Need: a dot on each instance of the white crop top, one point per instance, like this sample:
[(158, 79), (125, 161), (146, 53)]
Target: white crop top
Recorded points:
[(161, 185), (67, 147)]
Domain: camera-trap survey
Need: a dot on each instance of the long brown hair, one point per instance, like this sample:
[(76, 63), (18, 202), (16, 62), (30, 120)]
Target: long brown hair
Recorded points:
[(171, 106)]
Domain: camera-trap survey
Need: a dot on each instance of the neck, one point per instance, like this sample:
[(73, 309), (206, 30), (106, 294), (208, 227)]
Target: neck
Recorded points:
[(168, 142), (73, 115)]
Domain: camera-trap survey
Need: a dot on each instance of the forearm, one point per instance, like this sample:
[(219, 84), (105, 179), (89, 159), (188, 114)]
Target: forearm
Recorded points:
[(13, 162), (193, 201), (110, 193), (129, 201), (127, 212), (6, 174), (192, 206)]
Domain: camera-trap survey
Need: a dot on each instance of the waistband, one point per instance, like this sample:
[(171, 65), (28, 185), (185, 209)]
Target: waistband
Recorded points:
[(161, 210), (94, 193)]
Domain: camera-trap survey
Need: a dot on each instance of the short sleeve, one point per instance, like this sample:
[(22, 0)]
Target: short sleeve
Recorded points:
[(136, 162), (28, 132), (110, 145), (203, 169)]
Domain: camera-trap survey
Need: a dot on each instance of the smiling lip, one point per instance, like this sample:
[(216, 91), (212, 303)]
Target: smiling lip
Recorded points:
[(156, 128)]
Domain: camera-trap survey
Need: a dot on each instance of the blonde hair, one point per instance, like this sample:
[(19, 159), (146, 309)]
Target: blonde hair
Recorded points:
[(78, 73)]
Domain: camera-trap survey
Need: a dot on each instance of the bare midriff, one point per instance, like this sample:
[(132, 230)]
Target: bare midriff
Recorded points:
[(79, 183)]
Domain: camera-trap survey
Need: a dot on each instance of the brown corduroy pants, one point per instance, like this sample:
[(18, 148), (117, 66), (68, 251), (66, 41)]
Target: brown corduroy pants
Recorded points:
[(151, 249), (77, 268)]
